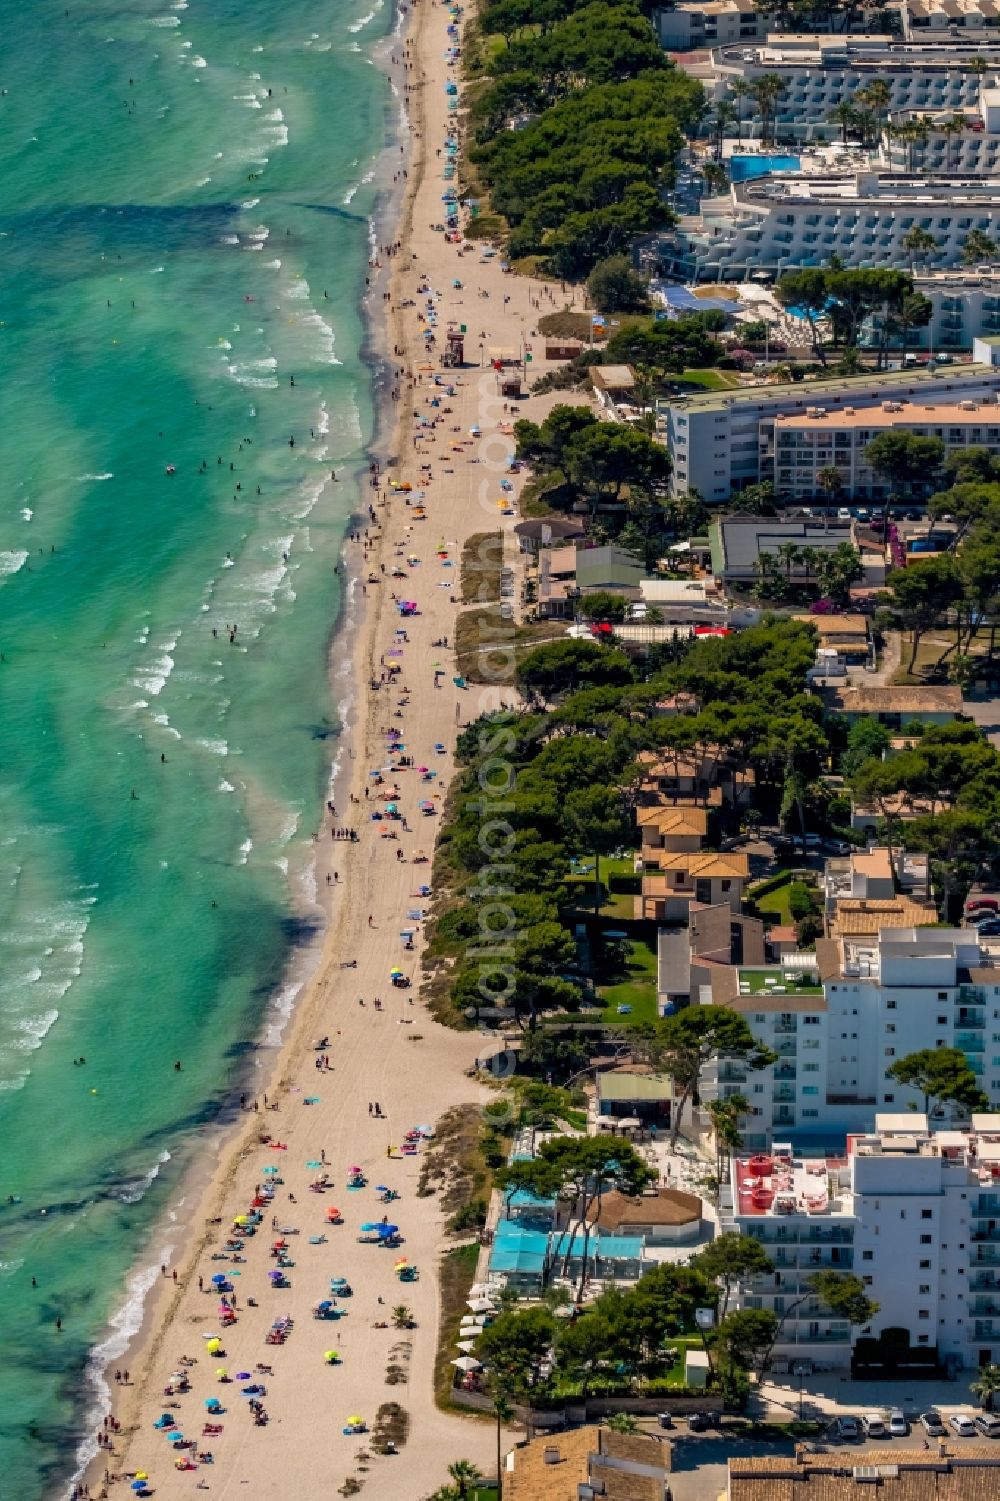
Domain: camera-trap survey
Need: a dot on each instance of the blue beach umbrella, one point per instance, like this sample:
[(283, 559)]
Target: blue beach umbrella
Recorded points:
[(219, 1278), (138, 1485), (367, 1229), (270, 1171), (386, 1230)]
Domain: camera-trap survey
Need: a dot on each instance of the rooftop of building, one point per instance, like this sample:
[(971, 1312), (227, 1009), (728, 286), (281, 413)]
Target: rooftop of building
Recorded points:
[(699, 865), (774, 980), (877, 190), (893, 414), (612, 377), (553, 1468), (634, 1083), (896, 383), (667, 1207), (904, 1475), (718, 7), (857, 916), (872, 49), (893, 699), (777, 1184), (836, 625), (675, 819)]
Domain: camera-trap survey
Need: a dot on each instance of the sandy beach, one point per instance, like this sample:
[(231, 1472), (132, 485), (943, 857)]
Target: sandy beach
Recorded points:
[(390, 1067)]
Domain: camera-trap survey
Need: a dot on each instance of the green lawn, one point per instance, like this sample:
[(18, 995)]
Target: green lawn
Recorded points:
[(617, 904), (709, 380), (773, 906), (756, 978), (637, 991)]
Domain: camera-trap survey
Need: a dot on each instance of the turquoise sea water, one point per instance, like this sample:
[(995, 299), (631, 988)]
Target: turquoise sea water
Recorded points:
[(180, 184)]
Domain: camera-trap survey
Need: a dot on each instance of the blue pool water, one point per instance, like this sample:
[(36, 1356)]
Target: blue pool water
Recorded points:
[(743, 168)]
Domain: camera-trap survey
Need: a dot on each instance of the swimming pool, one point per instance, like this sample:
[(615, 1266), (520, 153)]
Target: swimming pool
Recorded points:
[(743, 168)]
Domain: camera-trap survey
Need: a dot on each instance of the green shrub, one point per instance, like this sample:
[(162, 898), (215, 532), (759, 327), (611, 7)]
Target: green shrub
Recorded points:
[(801, 900)]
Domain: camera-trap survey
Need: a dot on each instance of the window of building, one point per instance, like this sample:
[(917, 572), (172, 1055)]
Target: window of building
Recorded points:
[(925, 1287), (925, 1266), (923, 1339), (926, 1214), (867, 1255), (926, 1240), (923, 1313)]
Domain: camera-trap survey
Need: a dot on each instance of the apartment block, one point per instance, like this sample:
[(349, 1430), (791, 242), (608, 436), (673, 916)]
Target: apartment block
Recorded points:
[(686, 26), (721, 441), (914, 1213), (969, 21), (802, 445), (795, 219), (838, 1020)]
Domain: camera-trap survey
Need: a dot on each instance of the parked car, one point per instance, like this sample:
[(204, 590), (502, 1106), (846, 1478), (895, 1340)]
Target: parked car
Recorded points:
[(989, 929), (848, 1427), (700, 1422), (988, 1424), (982, 904), (838, 846), (931, 1423), (898, 1426), (963, 1425), (873, 1425)]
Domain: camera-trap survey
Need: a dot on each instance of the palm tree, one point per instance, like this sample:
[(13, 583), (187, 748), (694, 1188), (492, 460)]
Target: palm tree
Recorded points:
[(918, 244), (726, 1116), (830, 482), (986, 1386), (503, 1411), (464, 1473), (740, 90), (978, 247), (401, 1316), (767, 90), (724, 115), (953, 128), (788, 552), (846, 116), (875, 97)]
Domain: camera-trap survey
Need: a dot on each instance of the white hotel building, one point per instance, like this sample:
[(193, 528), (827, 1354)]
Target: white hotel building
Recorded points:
[(838, 1027), (820, 72), (915, 1214), (793, 219)]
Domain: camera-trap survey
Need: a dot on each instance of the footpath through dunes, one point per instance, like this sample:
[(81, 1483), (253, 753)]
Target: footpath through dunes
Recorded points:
[(392, 1056)]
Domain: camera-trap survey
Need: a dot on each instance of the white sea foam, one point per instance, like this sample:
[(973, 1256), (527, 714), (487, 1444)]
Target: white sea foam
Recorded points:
[(283, 1003), (165, 21), (229, 240), (26, 513), (124, 1326), (217, 747), (131, 1193), (275, 114), (225, 786), (364, 20), (198, 62), (93, 478), (245, 849), (11, 562), (152, 677), (250, 203)]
